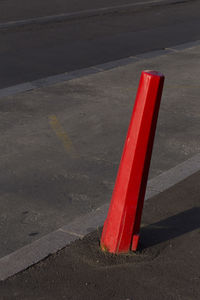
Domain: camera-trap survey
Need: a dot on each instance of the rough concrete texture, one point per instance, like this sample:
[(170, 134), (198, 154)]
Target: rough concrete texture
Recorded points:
[(166, 265), (61, 145)]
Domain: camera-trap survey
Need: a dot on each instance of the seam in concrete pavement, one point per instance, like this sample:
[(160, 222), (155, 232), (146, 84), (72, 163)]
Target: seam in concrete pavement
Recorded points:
[(50, 80), (87, 13), (27, 256)]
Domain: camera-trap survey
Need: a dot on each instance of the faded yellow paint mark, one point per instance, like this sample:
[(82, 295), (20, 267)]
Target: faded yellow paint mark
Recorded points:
[(62, 135)]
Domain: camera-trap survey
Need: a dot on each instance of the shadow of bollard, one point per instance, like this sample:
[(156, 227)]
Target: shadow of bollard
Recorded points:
[(170, 228)]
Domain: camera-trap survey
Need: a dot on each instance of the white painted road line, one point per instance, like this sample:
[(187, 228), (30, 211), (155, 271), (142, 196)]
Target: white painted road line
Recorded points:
[(51, 243), (87, 13)]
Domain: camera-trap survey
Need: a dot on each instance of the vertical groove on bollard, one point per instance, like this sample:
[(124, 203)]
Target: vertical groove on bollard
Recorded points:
[(122, 226)]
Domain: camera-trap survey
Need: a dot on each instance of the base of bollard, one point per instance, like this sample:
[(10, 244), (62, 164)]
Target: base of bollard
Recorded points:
[(135, 242)]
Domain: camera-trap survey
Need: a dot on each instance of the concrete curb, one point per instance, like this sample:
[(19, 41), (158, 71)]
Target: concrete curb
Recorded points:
[(47, 81), (87, 13), (51, 243)]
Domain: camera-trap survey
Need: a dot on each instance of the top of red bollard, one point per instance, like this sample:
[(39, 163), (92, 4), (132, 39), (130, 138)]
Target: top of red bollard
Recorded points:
[(153, 73)]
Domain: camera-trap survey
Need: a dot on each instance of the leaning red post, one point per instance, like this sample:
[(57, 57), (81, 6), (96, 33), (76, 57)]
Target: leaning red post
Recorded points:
[(122, 227)]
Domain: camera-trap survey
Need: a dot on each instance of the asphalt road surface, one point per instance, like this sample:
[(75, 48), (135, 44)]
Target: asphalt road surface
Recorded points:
[(36, 51), (11, 10)]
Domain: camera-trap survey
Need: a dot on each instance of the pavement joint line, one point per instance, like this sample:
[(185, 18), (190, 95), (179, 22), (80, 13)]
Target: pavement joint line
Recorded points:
[(66, 76), (172, 50), (71, 233), (152, 54), (98, 69), (31, 254), (86, 13), (185, 46)]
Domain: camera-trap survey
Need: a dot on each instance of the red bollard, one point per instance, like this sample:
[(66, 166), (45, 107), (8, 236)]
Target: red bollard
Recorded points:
[(122, 226)]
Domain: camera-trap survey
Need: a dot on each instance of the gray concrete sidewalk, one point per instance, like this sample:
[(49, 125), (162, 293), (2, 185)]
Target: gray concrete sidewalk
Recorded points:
[(165, 267), (61, 145)]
